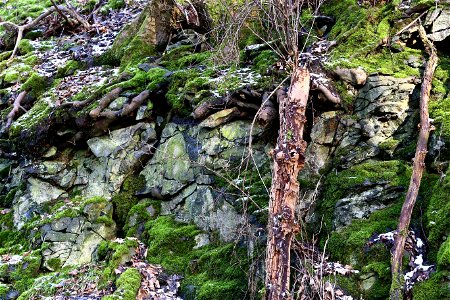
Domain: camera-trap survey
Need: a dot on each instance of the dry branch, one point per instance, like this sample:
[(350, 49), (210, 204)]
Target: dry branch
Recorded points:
[(327, 94), (15, 109), (418, 167)]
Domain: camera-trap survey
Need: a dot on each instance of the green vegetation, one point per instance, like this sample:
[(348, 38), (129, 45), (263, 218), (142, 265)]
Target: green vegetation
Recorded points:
[(126, 199), (362, 33), (212, 272)]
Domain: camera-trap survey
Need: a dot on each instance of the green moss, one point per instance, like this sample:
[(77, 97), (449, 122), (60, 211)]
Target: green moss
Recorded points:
[(184, 84), (435, 287), (126, 199), (359, 32), (17, 11), (211, 272), (338, 185), (142, 80), (25, 47), (31, 60), (36, 84), (16, 73), (263, 61), (28, 122), (54, 263), (116, 4), (437, 213), (68, 69), (443, 256), (128, 284), (141, 215), (182, 57)]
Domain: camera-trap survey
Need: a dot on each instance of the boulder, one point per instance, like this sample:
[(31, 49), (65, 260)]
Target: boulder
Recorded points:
[(439, 19)]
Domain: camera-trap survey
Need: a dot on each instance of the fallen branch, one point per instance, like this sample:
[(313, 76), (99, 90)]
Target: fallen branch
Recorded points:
[(16, 107), (418, 167)]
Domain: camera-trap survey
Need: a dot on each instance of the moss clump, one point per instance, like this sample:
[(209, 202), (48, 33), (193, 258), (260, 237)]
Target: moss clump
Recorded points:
[(263, 61), (25, 47), (31, 60), (116, 4), (26, 124), (128, 284), (183, 57), (140, 214), (25, 272), (17, 73), (437, 213), (68, 69), (36, 84), (211, 272), (360, 31), (142, 80), (17, 11), (443, 256), (126, 199), (54, 263), (435, 287), (338, 185), (184, 84)]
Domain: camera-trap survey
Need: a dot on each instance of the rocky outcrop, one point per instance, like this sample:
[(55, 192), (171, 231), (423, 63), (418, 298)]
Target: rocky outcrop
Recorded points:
[(73, 240), (182, 173), (439, 22)]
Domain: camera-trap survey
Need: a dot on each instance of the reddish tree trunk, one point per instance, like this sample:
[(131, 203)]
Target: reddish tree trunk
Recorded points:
[(418, 167), (288, 158)]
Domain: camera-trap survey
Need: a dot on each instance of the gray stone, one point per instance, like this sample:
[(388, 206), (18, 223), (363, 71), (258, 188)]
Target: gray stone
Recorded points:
[(359, 205), (440, 28), (201, 240), (26, 203), (118, 103)]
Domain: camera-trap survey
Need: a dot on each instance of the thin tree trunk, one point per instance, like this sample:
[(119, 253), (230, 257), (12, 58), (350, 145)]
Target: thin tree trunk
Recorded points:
[(418, 167), (289, 159)]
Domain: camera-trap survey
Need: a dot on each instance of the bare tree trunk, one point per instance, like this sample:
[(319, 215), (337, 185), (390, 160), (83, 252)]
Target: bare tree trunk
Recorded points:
[(418, 167), (289, 159)]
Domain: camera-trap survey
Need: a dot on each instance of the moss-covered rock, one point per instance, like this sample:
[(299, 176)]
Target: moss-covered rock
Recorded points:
[(214, 271), (145, 36)]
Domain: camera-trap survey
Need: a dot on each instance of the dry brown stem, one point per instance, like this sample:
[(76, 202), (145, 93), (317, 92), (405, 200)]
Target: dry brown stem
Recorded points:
[(418, 167)]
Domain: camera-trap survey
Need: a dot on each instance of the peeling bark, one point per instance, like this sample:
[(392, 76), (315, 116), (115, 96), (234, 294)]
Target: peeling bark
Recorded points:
[(418, 167), (288, 161)]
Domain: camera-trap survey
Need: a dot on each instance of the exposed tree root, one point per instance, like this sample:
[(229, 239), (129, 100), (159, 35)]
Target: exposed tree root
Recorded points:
[(329, 96), (418, 167), (135, 103), (104, 102), (16, 107), (268, 112)]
